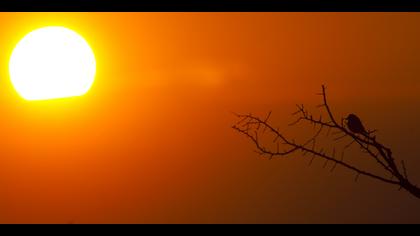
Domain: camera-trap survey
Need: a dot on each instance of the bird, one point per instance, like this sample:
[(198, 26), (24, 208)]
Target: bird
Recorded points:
[(355, 125)]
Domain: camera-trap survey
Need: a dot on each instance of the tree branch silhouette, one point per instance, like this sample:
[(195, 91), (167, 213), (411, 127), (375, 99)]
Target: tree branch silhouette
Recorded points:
[(253, 127)]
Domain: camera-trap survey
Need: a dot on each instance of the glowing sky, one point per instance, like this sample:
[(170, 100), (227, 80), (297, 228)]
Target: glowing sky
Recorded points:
[(151, 142)]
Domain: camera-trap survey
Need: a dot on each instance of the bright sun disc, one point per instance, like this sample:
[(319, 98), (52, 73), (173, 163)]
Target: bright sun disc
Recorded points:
[(52, 62)]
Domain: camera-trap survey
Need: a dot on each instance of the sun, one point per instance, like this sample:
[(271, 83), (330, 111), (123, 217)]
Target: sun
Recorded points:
[(52, 62)]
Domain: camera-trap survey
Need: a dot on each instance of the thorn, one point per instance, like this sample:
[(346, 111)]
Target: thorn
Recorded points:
[(296, 112), (268, 116), (357, 177), (310, 163), (333, 168), (258, 152), (336, 139), (404, 169), (325, 164)]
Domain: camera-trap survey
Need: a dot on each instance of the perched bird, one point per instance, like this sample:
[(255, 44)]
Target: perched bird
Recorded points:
[(355, 125)]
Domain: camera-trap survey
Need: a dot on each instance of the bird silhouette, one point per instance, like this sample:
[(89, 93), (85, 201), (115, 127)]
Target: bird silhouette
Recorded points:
[(355, 125)]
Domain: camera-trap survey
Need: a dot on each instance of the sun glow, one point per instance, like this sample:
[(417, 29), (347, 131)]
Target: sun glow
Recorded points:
[(52, 62)]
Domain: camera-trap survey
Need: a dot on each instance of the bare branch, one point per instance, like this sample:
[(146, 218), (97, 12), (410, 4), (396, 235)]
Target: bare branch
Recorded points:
[(251, 127)]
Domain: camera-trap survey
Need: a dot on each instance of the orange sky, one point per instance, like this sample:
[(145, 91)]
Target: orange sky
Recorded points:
[(151, 142)]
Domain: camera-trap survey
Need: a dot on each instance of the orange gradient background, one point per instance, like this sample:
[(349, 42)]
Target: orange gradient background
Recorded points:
[(151, 141)]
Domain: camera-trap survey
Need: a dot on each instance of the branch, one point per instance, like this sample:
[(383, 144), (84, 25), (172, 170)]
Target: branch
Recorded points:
[(250, 126), (292, 147)]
